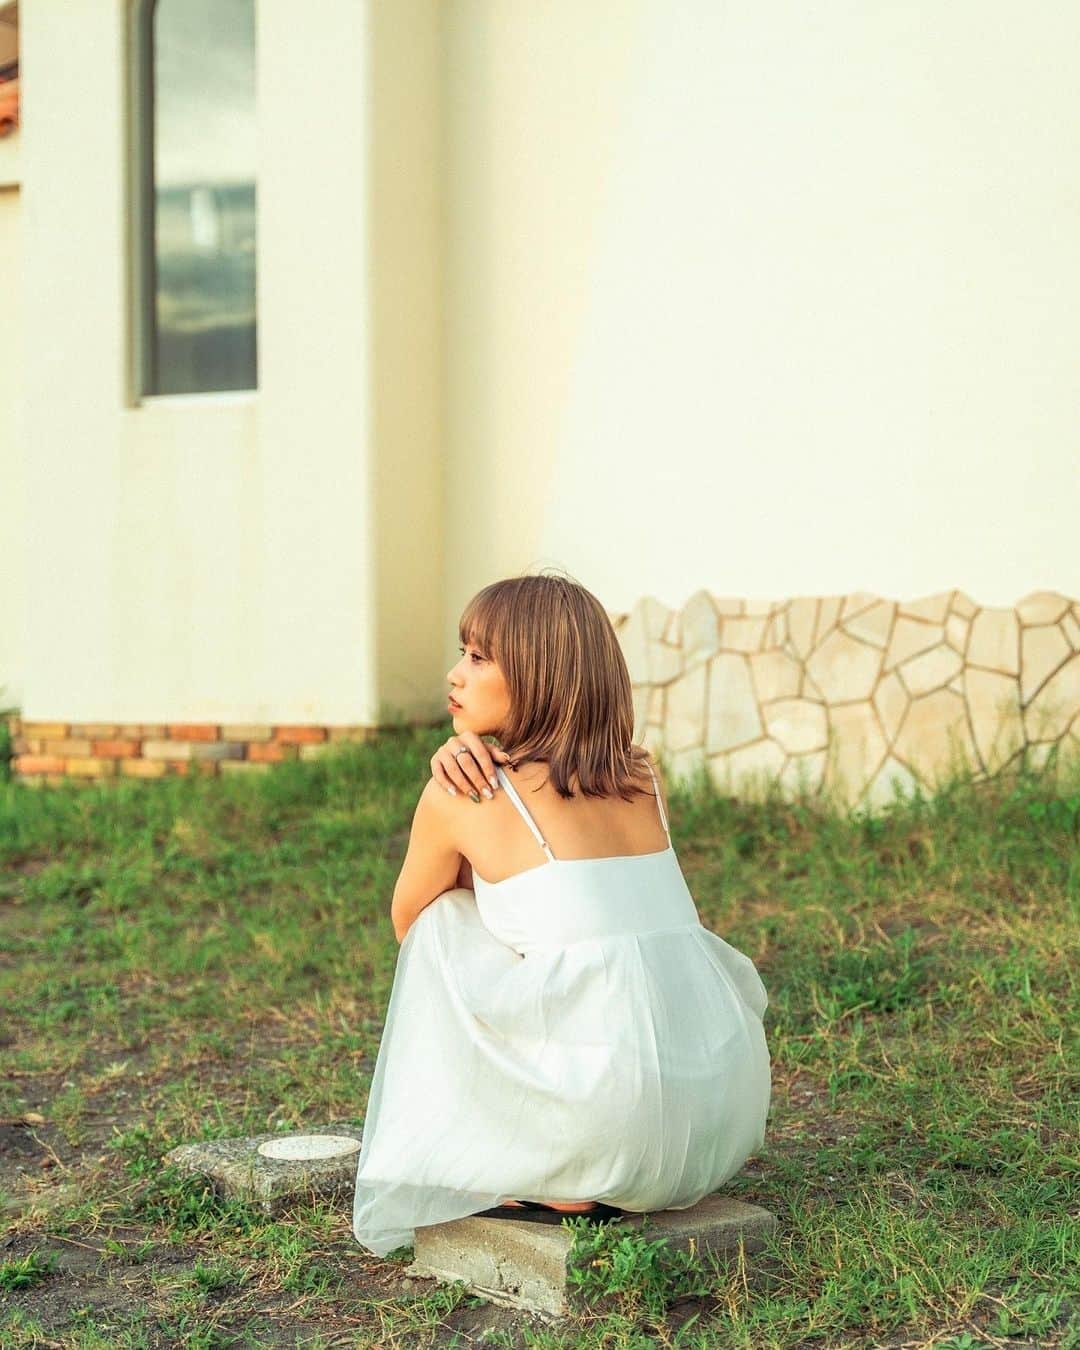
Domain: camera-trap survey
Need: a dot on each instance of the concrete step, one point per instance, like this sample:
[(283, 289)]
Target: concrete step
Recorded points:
[(273, 1170), (519, 1264)]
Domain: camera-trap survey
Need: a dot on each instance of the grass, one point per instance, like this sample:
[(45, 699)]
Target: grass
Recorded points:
[(198, 958)]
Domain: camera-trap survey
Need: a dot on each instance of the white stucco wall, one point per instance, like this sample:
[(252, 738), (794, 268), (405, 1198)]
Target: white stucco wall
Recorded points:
[(758, 298), (12, 503), (218, 558), (767, 298)]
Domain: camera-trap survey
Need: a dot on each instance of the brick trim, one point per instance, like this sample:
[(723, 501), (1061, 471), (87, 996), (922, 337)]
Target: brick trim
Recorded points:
[(65, 752)]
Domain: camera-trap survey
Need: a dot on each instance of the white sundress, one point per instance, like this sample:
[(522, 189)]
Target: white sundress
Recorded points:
[(571, 1033)]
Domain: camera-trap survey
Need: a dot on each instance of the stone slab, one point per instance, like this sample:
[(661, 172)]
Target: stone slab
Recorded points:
[(518, 1264), (237, 1168)]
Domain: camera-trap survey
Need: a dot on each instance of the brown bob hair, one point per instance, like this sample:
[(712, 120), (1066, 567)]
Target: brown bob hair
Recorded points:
[(570, 697)]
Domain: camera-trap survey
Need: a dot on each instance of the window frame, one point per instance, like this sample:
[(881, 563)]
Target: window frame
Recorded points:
[(142, 376), (140, 242)]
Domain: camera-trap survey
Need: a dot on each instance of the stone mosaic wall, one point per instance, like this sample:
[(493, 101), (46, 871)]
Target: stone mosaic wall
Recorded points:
[(848, 694), (852, 693)]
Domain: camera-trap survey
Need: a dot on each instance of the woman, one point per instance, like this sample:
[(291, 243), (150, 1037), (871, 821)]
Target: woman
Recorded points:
[(563, 1035)]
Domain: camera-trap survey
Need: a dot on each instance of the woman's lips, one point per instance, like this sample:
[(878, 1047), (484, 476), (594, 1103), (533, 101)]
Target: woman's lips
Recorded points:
[(450, 703)]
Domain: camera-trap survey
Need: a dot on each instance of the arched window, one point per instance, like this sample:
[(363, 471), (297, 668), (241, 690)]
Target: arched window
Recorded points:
[(195, 200)]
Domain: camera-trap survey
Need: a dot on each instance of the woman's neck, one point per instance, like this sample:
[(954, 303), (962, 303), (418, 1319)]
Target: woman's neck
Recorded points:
[(527, 770)]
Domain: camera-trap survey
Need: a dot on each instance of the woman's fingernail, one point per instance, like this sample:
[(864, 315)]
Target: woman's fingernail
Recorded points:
[(452, 791), (493, 781), (487, 793), (475, 796)]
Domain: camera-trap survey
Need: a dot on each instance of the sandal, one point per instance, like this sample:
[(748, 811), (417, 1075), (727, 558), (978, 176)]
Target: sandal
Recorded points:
[(532, 1211)]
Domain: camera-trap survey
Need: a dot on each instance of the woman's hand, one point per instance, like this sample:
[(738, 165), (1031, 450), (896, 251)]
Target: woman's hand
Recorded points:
[(471, 772)]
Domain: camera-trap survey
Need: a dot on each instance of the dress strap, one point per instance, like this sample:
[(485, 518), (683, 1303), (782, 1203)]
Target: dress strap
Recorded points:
[(513, 795), (659, 802)]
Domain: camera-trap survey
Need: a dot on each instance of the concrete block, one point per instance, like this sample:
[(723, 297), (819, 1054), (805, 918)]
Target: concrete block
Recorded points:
[(245, 732), (142, 768), (153, 749), (90, 768), (299, 735), (81, 748), (192, 731), (115, 749), (46, 731), (237, 1167), (216, 750), (259, 753), (518, 1264), (28, 764), (358, 734)]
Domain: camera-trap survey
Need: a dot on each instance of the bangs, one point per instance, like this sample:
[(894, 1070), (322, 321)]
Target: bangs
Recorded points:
[(479, 624)]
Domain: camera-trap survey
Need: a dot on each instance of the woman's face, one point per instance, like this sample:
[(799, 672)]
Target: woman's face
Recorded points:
[(479, 688)]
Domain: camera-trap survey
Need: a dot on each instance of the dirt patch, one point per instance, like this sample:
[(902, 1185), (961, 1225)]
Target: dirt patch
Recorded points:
[(148, 1287), (92, 1285)]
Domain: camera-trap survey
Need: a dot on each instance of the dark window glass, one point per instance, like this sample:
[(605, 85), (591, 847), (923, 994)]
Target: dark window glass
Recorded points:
[(9, 68), (200, 301)]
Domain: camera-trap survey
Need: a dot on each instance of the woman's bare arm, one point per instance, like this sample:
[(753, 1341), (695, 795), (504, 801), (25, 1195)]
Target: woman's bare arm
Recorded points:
[(432, 861)]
